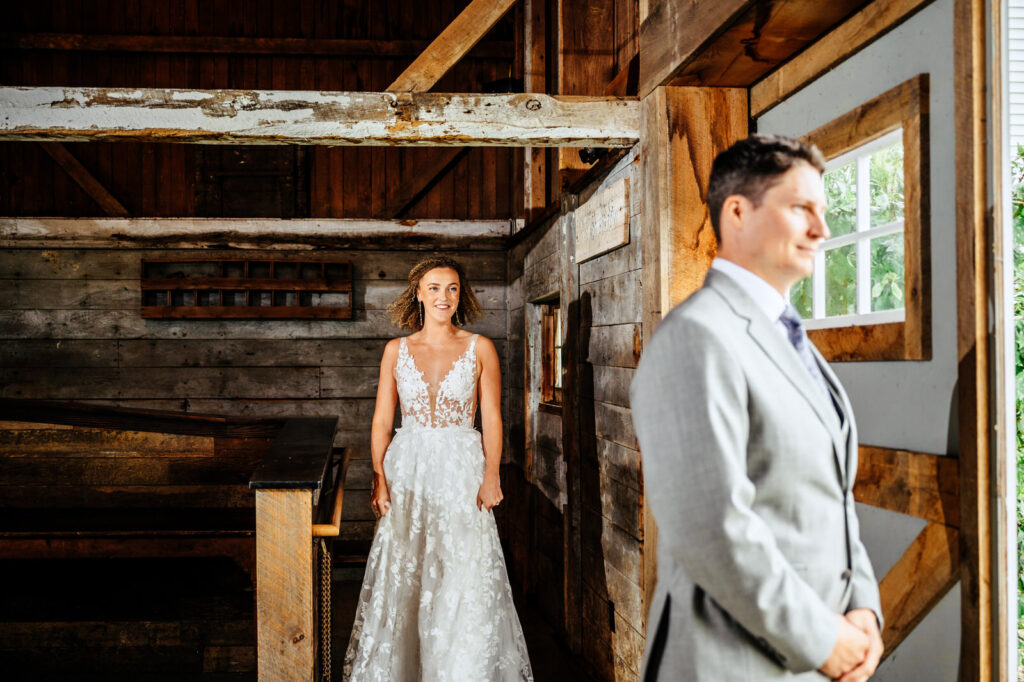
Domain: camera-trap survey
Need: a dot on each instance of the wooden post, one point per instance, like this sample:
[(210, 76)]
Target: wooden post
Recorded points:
[(286, 635), (681, 132), (534, 80), (973, 266)]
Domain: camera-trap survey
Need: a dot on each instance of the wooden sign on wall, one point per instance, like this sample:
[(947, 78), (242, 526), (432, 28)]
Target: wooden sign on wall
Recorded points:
[(602, 224)]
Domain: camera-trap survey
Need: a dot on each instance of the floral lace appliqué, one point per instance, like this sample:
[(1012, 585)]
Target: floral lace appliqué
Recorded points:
[(450, 403)]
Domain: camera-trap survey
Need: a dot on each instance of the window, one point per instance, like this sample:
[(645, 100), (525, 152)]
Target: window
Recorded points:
[(859, 271), (869, 297), (551, 353)]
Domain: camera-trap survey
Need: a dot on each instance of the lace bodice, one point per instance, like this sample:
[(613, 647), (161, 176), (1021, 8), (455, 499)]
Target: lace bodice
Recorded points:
[(452, 402)]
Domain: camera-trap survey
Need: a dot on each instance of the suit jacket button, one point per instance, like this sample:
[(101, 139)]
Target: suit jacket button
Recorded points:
[(846, 574)]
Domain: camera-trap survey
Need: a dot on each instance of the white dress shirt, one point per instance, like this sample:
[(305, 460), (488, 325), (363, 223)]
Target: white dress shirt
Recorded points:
[(767, 297)]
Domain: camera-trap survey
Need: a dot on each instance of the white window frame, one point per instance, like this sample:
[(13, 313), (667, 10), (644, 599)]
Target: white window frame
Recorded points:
[(861, 236)]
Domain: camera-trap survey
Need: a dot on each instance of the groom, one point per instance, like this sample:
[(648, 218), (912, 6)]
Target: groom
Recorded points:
[(750, 451)]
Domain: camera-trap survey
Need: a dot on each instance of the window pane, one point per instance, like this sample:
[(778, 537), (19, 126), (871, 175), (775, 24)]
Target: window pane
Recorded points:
[(841, 192), (841, 281), (800, 297), (887, 277), (887, 185)]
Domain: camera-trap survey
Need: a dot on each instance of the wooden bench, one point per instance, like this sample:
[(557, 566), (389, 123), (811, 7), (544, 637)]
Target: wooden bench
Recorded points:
[(88, 482)]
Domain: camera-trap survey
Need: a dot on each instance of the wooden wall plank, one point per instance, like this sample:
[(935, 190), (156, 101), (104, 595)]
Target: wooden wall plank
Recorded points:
[(161, 383), (58, 441), (125, 324), (78, 264)]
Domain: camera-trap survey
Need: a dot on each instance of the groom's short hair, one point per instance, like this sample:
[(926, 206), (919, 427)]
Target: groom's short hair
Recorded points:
[(751, 166)]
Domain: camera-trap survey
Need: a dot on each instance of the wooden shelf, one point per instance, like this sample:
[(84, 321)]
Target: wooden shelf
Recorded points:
[(246, 288)]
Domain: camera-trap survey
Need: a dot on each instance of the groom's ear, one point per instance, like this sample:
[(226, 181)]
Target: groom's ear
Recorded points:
[(734, 208)]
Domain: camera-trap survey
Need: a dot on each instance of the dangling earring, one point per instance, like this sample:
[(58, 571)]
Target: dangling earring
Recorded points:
[(458, 316), (421, 314)]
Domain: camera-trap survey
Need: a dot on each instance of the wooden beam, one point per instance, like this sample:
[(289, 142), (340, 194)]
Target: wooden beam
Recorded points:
[(93, 187), (674, 32), (206, 233), (853, 35), (295, 117), (915, 584), (455, 41), (973, 266), (760, 39), (416, 185), (286, 634), (914, 483), (237, 45)]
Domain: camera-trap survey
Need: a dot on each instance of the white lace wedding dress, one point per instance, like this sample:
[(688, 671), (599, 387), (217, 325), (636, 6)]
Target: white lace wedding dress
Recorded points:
[(435, 603)]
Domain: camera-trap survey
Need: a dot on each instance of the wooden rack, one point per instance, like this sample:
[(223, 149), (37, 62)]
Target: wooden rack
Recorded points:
[(246, 288)]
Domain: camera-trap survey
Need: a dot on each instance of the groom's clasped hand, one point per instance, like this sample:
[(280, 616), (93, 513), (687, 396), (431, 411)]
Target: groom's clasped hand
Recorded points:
[(858, 649)]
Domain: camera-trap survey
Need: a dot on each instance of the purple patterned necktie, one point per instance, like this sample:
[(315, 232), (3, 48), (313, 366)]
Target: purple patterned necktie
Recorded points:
[(798, 337)]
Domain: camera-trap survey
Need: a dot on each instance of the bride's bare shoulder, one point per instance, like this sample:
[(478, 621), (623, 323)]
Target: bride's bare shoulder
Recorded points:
[(391, 350)]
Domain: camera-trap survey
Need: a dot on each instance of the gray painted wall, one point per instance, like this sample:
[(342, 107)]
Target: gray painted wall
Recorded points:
[(907, 405)]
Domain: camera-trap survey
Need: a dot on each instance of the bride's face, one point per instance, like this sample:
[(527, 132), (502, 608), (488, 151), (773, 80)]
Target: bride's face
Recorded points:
[(439, 291)]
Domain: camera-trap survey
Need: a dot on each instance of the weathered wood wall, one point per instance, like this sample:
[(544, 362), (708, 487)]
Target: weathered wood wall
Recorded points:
[(574, 521), (70, 330), (579, 550), (611, 493), (160, 180)]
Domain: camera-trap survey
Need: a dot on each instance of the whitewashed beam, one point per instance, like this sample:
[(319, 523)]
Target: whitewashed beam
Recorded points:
[(320, 118), (259, 233)]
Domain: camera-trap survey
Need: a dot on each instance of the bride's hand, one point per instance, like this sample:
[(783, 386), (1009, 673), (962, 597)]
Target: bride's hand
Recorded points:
[(380, 499), (490, 494)]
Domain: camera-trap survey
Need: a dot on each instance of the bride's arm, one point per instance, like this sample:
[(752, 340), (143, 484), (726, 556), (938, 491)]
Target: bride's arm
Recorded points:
[(383, 422), (490, 419)]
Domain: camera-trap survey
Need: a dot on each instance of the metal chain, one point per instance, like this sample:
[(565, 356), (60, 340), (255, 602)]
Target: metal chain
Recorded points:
[(325, 611)]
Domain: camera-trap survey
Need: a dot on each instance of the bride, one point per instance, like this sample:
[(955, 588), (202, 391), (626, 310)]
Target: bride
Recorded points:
[(435, 603)]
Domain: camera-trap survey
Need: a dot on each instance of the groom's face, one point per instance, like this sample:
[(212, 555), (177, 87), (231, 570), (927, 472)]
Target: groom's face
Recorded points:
[(781, 234)]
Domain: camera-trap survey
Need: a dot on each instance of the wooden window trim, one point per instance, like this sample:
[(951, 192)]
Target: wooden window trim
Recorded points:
[(904, 107), (551, 396)]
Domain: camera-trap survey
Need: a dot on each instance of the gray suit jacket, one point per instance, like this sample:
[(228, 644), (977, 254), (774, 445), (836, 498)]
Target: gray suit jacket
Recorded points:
[(749, 473)]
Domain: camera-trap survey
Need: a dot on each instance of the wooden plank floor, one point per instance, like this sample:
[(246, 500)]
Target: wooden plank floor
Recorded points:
[(172, 620)]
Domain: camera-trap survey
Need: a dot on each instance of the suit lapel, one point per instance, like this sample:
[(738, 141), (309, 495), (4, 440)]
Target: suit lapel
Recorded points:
[(784, 356)]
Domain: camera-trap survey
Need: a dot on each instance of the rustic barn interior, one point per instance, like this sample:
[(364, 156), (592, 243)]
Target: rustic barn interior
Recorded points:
[(193, 293)]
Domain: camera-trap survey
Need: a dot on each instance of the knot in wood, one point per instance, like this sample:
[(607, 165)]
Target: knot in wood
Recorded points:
[(533, 104)]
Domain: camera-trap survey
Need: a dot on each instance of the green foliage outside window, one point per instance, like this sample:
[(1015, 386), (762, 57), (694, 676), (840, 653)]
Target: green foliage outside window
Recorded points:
[(887, 257), (841, 190), (887, 185), (1018, 319)]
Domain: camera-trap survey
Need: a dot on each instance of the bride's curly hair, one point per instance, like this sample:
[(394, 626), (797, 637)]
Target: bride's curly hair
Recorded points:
[(405, 311)]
